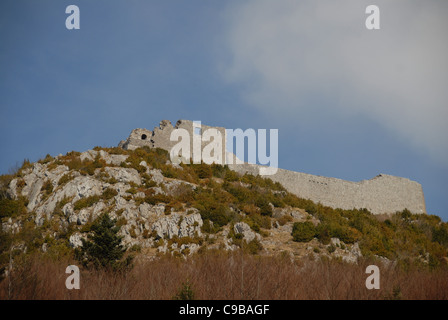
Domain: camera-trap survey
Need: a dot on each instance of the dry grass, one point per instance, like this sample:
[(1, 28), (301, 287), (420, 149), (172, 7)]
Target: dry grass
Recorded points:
[(225, 276)]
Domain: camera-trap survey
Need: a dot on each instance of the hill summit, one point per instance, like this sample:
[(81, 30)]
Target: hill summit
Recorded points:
[(183, 209), (381, 194)]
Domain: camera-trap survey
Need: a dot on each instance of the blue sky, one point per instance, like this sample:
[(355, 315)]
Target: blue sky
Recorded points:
[(348, 102)]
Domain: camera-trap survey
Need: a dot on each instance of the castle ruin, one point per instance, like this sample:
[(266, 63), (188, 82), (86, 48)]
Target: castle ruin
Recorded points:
[(381, 194)]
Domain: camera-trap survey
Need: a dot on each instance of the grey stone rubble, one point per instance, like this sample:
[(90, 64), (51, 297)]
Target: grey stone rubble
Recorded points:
[(346, 252), (245, 230), (178, 225)]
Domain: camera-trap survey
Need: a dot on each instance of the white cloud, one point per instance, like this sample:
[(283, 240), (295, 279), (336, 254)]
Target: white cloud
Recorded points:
[(284, 53)]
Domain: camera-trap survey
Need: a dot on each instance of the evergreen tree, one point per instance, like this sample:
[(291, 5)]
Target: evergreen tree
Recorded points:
[(303, 231), (185, 292), (103, 249)]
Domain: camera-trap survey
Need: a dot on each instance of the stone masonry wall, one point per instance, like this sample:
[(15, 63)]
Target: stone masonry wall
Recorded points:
[(381, 194)]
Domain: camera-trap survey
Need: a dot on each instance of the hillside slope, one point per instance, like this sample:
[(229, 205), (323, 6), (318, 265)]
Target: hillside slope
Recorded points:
[(161, 208)]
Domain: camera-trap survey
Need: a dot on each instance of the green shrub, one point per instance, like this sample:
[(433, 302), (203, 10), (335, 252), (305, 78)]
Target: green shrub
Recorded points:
[(284, 219), (25, 165), (147, 181), (203, 170), (220, 216), (303, 231), (242, 194), (5, 180), (185, 292), (132, 232), (262, 182), (168, 171), (406, 214), (136, 248), (349, 235), (47, 189), (219, 171), (277, 201), (209, 227), (86, 167), (112, 180), (132, 190), (133, 162), (65, 178), (156, 157), (72, 161), (254, 246), (113, 150), (13, 208), (153, 199), (86, 202), (214, 205), (109, 193), (250, 209), (231, 176), (31, 236), (121, 222), (46, 160), (292, 200), (440, 234), (260, 221), (263, 204), (323, 234)]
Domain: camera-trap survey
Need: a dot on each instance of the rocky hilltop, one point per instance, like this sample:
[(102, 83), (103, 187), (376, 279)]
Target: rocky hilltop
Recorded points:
[(71, 191), (165, 208), (382, 194)]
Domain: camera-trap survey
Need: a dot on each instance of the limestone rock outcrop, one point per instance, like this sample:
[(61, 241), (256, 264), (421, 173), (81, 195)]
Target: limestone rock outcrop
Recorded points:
[(245, 230)]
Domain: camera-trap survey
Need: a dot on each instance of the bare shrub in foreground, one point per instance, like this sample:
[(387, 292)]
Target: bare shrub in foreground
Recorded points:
[(224, 276)]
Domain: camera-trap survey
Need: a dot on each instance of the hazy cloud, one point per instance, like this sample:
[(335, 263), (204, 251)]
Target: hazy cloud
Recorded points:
[(285, 53)]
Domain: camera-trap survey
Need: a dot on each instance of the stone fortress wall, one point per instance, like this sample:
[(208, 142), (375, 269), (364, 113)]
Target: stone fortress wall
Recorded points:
[(160, 136), (381, 194)]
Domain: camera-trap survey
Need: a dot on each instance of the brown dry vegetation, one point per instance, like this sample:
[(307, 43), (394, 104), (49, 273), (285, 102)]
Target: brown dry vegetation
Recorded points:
[(225, 276)]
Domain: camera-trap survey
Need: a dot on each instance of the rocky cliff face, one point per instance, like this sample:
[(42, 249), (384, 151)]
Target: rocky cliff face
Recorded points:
[(62, 204), (68, 192)]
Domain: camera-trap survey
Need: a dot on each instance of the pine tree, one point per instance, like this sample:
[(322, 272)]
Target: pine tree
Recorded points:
[(103, 249), (185, 292)]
